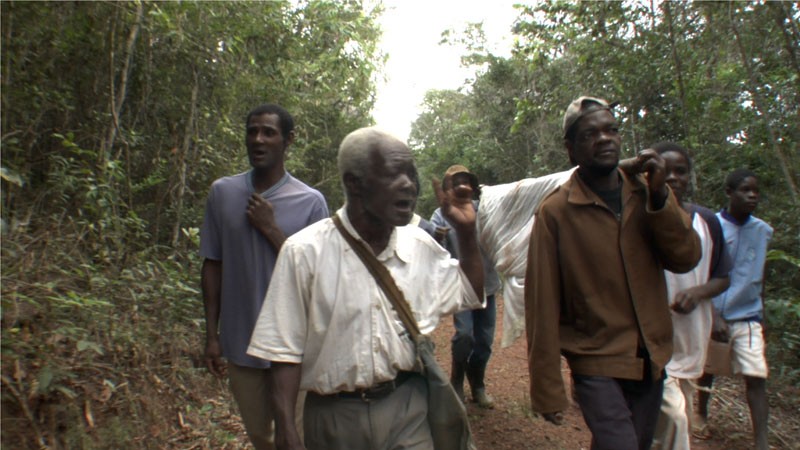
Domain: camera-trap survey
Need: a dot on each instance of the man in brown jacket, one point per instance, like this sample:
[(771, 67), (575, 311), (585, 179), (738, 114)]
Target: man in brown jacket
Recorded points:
[(595, 289)]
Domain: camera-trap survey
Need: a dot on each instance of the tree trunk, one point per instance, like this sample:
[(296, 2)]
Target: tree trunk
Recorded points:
[(791, 36), (634, 134), (183, 156), (678, 69), (118, 94), (762, 108)]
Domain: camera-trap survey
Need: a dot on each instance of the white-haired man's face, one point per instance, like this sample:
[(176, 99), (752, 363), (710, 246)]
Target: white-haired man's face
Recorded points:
[(390, 187)]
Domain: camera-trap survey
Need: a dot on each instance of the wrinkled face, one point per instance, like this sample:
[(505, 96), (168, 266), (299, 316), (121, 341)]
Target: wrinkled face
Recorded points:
[(744, 199), (597, 143), (678, 173), (389, 191), (266, 146)]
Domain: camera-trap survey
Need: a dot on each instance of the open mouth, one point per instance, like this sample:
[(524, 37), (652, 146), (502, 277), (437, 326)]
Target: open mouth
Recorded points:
[(405, 205)]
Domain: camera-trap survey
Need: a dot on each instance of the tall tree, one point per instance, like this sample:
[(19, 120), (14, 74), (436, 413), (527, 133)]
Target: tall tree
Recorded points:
[(126, 145), (719, 77)]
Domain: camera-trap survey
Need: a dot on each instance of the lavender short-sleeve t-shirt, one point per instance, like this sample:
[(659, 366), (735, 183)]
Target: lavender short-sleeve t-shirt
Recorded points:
[(247, 257)]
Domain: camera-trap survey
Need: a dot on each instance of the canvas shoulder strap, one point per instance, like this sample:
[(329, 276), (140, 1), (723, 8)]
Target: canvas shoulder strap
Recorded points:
[(383, 277)]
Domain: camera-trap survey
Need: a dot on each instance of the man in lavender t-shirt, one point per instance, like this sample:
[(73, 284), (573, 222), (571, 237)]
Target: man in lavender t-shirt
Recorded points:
[(248, 216)]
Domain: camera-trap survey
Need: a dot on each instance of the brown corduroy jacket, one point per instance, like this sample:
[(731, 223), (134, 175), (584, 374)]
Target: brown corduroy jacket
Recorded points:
[(595, 289)]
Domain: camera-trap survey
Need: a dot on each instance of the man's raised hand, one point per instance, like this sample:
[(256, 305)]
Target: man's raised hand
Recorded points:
[(455, 202)]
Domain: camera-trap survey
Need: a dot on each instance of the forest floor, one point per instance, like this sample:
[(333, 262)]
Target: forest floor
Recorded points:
[(512, 424), (171, 402)]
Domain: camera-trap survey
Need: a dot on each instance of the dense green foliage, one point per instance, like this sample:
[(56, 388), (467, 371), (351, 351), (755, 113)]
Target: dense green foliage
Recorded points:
[(722, 78), (117, 116)]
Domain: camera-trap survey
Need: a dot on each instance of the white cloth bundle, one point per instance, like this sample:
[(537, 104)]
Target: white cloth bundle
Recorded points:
[(505, 222)]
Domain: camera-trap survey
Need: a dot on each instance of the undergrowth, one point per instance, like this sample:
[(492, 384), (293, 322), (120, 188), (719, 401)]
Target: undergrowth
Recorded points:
[(103, 351), (782, 314), (105, 355)]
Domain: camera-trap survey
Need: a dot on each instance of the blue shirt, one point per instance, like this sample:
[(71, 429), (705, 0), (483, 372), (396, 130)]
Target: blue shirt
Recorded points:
[(747, 244), (491, 281), (248, 258)]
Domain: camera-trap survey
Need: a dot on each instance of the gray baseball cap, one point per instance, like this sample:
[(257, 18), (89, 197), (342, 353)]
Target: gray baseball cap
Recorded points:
[(581, 107)]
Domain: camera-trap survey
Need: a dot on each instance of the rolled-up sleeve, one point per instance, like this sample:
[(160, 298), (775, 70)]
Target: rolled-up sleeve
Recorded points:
[(449, 286), (280, 330)]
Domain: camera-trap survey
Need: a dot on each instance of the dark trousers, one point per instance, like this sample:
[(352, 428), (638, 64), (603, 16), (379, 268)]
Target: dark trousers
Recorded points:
[(472, 342), (621, 414)]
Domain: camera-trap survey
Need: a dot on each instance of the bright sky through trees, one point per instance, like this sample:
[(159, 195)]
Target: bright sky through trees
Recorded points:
[(417, 63)]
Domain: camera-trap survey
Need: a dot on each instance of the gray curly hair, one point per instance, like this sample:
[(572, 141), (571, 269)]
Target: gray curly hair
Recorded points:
[(355, 149)]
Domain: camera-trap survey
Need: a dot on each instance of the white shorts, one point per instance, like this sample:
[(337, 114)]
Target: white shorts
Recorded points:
[(747, 349)]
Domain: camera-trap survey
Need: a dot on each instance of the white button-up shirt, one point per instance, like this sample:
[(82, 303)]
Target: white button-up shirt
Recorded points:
[(325, 310)]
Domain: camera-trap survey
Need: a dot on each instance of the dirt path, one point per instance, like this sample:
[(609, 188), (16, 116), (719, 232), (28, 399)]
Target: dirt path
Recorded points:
[(511, 424)]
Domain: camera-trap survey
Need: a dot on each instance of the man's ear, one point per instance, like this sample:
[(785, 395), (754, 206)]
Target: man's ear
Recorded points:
[(352, 185), (568, 145), (289, 139)]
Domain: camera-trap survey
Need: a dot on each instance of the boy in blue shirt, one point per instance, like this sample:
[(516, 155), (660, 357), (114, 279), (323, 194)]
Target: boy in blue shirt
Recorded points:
[(742, 305)]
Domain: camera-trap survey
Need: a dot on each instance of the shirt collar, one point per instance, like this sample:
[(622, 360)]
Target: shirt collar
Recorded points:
[(725, 215), (392, 249), (582, 194), (272, 188)]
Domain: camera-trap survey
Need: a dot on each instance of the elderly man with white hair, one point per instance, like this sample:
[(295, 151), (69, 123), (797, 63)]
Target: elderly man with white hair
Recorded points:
[(329, 329)]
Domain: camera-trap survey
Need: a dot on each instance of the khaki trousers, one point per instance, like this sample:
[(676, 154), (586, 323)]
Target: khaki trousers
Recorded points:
[(398, 421), (250, 388)]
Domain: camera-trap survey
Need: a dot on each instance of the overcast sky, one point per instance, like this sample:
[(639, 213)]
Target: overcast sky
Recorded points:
[(417, 63)]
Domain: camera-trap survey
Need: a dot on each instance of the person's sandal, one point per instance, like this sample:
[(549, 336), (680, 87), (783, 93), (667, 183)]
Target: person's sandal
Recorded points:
[(700, 428)]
